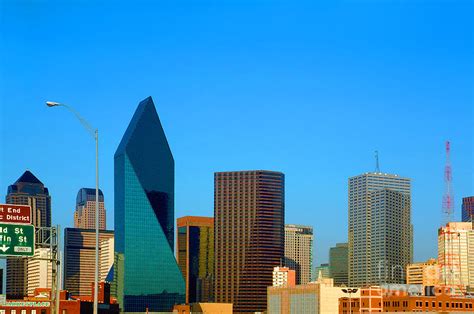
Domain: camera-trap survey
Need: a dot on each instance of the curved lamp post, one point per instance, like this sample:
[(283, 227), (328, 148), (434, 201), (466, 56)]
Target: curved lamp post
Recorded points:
[(95, 135)]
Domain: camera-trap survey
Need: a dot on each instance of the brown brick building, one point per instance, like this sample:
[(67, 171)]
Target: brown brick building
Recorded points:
[(441, 300), (249, 236)]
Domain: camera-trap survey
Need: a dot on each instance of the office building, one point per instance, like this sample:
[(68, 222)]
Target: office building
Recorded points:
[(249, 229), (299, 251), (27, 190), (39, 270), (455, 257), (425, 273), (377, 300), (322, 271), (146, 274), (84, 215), (380, 230), (195, 255), (338, 264), (79, 259), (319, 297), (106, 256), (283, 277), (468, 209)]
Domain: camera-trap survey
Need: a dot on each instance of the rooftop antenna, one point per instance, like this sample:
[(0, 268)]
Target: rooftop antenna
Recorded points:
[(377, 166), (448, 199)]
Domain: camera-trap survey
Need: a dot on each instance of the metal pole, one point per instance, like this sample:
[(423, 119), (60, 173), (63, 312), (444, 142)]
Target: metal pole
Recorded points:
[(58, 268), (350, 302), (96, 274)]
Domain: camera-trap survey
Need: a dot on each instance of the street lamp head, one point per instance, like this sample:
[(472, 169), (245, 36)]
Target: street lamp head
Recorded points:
[(52, 104)]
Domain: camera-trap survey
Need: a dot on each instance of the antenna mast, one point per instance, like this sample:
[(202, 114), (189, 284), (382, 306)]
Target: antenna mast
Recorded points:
[(377, 166), (448, 199)]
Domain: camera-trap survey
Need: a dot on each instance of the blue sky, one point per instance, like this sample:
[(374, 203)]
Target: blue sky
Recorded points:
[(307, 88)]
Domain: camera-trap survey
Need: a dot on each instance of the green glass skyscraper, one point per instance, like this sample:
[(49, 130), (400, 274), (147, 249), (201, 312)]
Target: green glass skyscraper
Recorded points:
[(146, 275)]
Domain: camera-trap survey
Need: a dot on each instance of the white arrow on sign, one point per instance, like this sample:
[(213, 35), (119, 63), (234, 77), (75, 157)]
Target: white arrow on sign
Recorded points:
[(4, 248)]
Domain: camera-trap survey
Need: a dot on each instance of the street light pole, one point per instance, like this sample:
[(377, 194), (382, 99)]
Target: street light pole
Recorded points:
[(350, 291), (95, 135)]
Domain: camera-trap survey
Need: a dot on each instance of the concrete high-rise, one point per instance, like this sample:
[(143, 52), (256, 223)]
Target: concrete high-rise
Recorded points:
[(195, 255), (27, 190), (338, 264), (380, 230), (299, 251), (455, 257), (84, 215), (79, 259), (146, 275), (40, 270), (468, 209), (425, 273), (249, 211)]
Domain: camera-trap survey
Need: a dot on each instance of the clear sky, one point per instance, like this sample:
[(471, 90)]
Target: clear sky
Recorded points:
[(311, 89)]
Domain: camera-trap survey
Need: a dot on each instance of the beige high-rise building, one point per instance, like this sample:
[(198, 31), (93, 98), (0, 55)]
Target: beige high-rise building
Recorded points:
[(425, 273), (84, 215), (380, 230), (299, 251), (40, 271), (106, 257), (79, 258), (456, 255)]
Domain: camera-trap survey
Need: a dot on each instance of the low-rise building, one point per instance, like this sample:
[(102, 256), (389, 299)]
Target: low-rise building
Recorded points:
[(284, 277), (425, 273), (378, 300), (314, 297), (204, 308)]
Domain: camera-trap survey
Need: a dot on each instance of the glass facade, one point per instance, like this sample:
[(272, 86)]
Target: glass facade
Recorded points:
[(148, 277), (196, 257)]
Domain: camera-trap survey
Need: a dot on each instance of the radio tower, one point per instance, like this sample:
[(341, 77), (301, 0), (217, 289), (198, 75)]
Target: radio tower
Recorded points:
[(448, 199)]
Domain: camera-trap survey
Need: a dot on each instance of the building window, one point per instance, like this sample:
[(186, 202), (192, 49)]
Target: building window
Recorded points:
[(23, 311)]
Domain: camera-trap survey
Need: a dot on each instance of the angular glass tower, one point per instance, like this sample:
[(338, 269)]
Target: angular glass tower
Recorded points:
[(146, 274)]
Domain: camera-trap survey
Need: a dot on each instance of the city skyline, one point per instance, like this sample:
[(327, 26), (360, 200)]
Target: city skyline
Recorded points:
[(312, 129)]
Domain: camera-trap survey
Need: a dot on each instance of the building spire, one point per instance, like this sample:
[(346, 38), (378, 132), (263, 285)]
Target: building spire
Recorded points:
[(377, 166)]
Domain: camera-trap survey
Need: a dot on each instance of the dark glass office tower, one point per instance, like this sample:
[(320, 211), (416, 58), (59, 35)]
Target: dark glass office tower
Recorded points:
[(468, 209), (146, 274), (27, 190), (249, 213)]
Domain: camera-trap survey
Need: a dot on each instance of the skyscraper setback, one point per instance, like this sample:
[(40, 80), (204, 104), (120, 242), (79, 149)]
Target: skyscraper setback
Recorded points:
[(380, 230), (249, 208), (195, 255), (146, 275), (84, 215), (299, 251), (27, 190)]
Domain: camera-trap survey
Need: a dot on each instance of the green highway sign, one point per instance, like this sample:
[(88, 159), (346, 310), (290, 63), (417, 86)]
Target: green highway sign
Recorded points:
[(17, 240)]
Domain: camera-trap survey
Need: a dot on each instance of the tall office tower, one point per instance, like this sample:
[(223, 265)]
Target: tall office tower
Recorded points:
[(338, 264), (147, 276), (195, 254), (249, 212), (299, 251), (425, 273), (79, 259), (468, 209), (84, 215), (380, 230), (40, 270), (455, 257), (27, 190), (106, 257)]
